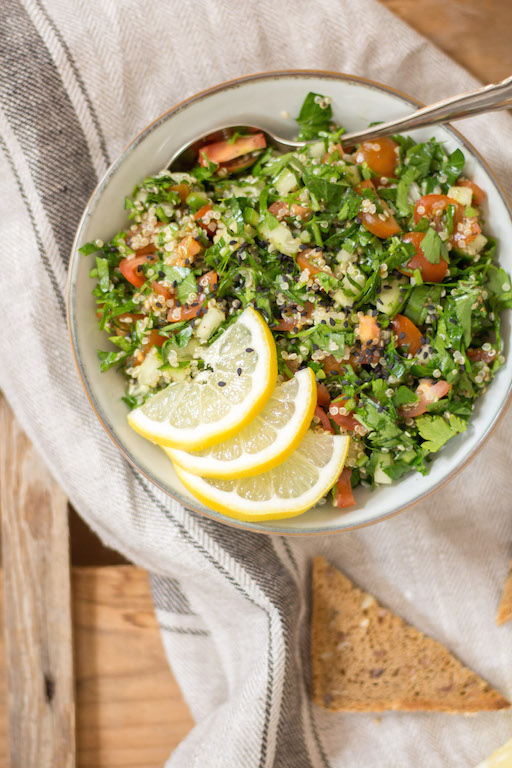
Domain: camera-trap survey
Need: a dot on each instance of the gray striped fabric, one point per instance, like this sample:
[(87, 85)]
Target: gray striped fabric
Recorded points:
[(77, 82)]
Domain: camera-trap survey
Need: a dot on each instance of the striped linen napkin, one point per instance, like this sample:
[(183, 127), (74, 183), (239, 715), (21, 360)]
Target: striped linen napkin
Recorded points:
[(77, 82)]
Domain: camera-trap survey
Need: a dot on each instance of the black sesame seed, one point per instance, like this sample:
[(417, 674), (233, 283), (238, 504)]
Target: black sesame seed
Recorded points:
[(161, 274), (157, 304), (221, 383), (249, 349), (239, 371), (345, 323), (332, 321), (401, 335), (315, 347)]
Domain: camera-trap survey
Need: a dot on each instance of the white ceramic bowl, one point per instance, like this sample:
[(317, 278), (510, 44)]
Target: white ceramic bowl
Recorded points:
[(266, 97)]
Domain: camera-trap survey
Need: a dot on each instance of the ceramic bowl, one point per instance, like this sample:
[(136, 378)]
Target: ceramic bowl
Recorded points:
[(267, 98)]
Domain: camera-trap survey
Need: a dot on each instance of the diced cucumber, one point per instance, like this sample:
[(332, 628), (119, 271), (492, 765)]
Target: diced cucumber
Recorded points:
[(343, 256), (421, 297), (352, 174), (380, 477), (463, 195), (392, 295), (317, 150), (251, 216), (147, 372), (281, 238), (474, 247), (245, 190), (351, 287), (209, 323), (286, 182)]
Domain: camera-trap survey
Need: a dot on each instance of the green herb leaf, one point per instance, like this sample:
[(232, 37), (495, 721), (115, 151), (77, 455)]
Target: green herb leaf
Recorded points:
[(452, 167), (103, 274), (402, 190), (315, 116), (432, 246), (436, 431)]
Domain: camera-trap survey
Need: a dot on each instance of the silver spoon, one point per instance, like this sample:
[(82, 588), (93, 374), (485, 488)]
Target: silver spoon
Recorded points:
[(489, 98)]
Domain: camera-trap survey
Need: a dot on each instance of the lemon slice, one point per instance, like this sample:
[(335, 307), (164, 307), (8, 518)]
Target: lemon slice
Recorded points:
[(239, 379), (500, 758), (284, 491), (266, 441)]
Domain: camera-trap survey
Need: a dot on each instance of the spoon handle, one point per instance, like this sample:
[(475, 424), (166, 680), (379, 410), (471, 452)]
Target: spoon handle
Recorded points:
[(486, 99)]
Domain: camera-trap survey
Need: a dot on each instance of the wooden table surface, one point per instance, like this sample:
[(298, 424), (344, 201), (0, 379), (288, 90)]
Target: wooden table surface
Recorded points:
[(130, 711)]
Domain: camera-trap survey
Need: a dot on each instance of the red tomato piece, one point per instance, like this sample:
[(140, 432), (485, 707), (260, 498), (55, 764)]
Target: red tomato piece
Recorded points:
[(482, 355), (465, 229), (183, 191), (206, 222), (223, 151), (209, 281), (324, 419), (322, 394), (372, 222), (430, 273), (406, 333), (428, 391), (282, 210), (128, 318), (343, 420), (167, 293), (338, 147), (368, 329), (131, 269), (380, 155), (187, 250), (478, 193), (333, 366), (344, 495), (309, 259), (287, 324)]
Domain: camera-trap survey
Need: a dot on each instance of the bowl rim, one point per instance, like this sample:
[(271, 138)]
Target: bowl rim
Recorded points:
[(267, 527)]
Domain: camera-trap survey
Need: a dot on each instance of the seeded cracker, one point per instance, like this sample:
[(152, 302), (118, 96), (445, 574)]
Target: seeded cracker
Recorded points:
[(505, 606), (367, 659)]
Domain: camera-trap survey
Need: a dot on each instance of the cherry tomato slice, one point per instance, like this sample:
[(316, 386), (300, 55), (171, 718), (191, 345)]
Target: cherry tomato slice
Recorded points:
[(371, 221), (324, 419), (430, 273), (478, 193), (406, 333), (380, 155), (224, 151), (344, 495)]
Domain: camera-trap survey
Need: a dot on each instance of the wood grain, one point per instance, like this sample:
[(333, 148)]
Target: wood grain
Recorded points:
[(476, 33), (129, 710), (37, 606)]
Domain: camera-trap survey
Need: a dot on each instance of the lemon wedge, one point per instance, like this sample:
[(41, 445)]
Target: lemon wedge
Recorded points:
[(266, 441), (284, 491), (239, 378), (500, 758)]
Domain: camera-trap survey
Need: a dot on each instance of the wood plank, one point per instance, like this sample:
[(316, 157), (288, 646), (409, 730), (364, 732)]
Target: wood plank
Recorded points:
[(37, 606), (474, 33), (130, 711)]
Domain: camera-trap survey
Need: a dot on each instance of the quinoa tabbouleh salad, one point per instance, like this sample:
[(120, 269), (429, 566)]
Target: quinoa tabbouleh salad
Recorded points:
[(367, 263)]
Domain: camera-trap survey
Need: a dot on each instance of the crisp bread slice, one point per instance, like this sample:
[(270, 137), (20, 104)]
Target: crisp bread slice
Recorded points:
[(505, 606), (367, 659)]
